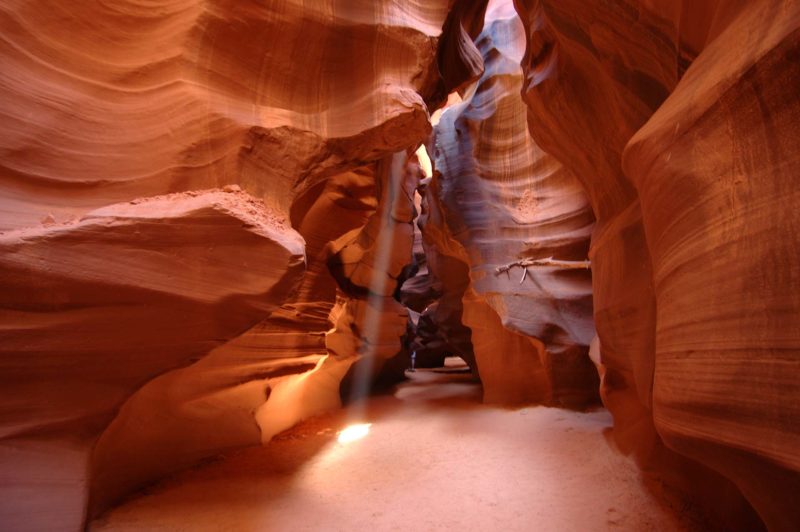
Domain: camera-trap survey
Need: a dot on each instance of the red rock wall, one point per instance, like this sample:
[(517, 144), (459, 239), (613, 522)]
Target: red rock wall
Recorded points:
[(443, 330), (686, 145), (206, 216), (105, 102), (370, 267), (95, 308), (108, 305), (723, 155), (201, 410)]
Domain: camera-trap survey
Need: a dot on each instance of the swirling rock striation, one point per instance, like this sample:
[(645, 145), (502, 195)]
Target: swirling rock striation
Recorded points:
[(120, 101), (248, 389), (685, 144), (502, 199), (105, 102), (96, 307)]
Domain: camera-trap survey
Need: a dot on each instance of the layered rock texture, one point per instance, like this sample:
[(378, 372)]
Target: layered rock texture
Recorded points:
[(94, 308), (681, 121), (371, 267), (496, 198), (215, 222), (176, 179), (110, 101)]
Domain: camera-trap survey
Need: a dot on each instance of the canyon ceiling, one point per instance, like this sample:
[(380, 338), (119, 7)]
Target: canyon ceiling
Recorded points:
[(214, 223)]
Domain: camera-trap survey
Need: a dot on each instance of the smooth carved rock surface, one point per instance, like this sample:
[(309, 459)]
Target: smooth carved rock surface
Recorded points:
[(105, 102), (370, 267), (207, 209), (459, 61), (440, 328), (723, 155), (249, 389), (582, 115), (504, 199), (694, 252), (96, 307)]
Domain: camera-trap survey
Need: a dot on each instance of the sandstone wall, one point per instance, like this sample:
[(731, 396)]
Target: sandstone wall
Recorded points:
[(172, 176), (499, 198), (680, 120)]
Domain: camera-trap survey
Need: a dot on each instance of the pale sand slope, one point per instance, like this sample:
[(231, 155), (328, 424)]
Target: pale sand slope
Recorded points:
[(435, 459)]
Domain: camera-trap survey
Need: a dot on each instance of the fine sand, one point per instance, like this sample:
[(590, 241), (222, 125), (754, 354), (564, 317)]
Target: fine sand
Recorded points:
[(434, 459)]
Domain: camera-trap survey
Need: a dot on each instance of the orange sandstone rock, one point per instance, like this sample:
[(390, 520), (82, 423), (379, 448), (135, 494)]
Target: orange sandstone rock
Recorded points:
[(680, 121), (95, 308)]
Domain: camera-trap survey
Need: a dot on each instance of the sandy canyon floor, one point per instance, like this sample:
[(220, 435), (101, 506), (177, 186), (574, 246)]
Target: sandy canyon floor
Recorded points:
[(435, 458)]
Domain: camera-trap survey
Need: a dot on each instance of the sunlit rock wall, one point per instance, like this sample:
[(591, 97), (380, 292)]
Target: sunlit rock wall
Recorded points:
[(680, 120), (370, 269), (501, 199), (248, 389)]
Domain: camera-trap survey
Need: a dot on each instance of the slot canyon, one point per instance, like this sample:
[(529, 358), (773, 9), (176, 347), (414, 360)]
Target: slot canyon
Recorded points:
[(513, 265)]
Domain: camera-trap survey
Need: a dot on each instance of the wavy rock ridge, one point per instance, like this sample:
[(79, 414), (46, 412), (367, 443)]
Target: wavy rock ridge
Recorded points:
[(213, 225), (499, 198), (684, 146), (141, 337)]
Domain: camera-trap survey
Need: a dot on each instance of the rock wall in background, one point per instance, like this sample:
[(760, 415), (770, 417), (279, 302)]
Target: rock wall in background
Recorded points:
[(686, 144), (498, 199), (371, 269)]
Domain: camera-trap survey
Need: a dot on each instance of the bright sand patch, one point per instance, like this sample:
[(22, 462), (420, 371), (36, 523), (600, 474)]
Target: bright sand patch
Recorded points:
[(434, 459)]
